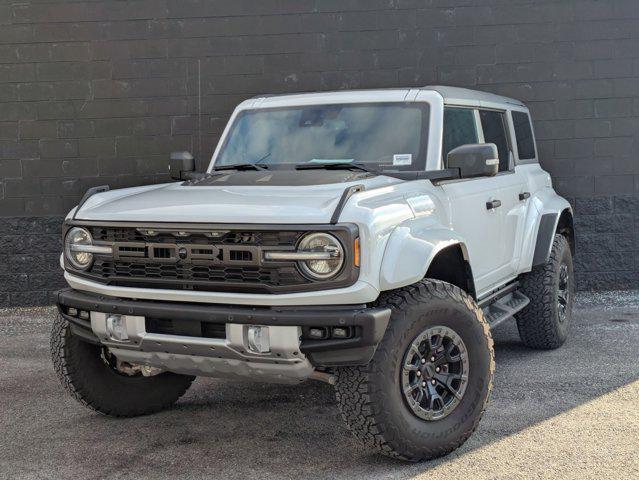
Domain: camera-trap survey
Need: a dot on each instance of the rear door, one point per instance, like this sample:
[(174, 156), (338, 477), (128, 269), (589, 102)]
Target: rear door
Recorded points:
[(512, 192), (470, 216)]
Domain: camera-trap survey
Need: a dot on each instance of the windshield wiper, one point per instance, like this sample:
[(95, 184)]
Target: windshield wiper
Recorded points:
[(241, 166), (246, 166), (335, 166)]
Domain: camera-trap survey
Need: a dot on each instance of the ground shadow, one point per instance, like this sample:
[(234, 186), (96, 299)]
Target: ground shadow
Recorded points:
[(228, 429)]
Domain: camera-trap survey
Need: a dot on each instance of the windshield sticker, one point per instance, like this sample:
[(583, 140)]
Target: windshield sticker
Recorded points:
[(402, 159)]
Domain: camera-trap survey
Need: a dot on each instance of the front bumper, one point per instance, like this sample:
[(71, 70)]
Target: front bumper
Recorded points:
[(367, 327), (359, 293)]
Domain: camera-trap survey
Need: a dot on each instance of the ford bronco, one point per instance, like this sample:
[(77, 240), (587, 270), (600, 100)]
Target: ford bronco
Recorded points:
[(368, 239)]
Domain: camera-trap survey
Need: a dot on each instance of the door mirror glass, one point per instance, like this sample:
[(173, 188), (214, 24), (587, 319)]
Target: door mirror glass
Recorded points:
[(475, 160), (181, 165)]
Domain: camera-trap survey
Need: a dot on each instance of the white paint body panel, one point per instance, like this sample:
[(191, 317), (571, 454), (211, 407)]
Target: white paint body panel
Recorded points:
[(402, 224), (233, 204)]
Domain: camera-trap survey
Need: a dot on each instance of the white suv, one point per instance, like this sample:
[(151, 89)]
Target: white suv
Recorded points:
[(369, 239)]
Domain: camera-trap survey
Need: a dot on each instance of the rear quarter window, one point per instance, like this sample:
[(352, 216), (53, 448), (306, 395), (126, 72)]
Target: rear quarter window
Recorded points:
[(524, 136)]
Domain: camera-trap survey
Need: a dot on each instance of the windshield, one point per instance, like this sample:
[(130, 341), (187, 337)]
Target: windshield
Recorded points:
[(380, 135)]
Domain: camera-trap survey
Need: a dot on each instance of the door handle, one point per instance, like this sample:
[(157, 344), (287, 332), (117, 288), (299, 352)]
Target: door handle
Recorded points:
[(524, 196), (493, 204)]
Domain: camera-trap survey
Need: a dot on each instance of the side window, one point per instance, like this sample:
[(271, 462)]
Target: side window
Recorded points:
[(523, 133), (494, 126), (459, 129)]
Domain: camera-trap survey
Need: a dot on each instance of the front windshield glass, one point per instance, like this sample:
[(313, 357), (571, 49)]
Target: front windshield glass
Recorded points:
[(379, 135)]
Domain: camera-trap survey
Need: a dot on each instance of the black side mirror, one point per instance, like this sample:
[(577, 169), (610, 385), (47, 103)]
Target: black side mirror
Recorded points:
[(181, 165), (475, 160)]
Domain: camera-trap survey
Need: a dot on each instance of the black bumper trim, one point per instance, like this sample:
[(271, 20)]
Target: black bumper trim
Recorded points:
[(371, 322)]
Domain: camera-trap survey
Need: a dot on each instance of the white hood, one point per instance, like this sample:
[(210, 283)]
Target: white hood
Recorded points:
[(180, 202)]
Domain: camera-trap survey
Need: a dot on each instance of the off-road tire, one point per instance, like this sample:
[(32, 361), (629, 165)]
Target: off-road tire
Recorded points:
[(370, 397), (539, 323), (82, 371)]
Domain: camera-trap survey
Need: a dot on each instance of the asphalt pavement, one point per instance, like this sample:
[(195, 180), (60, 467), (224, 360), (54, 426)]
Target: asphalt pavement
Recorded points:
[(568, 413)]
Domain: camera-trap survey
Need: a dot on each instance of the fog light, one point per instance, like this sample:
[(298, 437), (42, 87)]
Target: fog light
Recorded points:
[(116, 328), (339, 332), (258, 339), (318, 333)]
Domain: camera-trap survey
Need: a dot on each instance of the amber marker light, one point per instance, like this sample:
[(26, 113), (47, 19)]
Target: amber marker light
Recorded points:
[(356, 250)]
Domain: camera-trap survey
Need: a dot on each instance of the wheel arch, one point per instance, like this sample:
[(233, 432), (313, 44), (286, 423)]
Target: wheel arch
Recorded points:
[(438, 253), (566, 227), (451, 265)]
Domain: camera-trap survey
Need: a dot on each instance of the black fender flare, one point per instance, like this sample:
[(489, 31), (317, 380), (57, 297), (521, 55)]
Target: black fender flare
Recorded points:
[(549, 224)]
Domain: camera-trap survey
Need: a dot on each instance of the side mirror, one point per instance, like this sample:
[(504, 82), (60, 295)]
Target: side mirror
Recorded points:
[(475, 160), (181, 165)]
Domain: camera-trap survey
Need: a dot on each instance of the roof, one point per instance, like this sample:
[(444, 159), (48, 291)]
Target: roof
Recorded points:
[(452, 94)]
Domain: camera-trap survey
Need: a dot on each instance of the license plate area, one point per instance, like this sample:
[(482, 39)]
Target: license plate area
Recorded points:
[(186, 328)]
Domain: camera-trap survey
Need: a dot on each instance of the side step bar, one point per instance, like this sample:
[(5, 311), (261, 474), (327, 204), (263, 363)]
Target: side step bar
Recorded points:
[(503, 306)]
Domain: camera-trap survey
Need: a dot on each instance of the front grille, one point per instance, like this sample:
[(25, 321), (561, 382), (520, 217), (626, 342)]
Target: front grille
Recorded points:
[(225, 237), (195, 277), (216, 259)]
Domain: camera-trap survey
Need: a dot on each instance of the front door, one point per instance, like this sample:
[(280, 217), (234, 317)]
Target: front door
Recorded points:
[(473, 215)]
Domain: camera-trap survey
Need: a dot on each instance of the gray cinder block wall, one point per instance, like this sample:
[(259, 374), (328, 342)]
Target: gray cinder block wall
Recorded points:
[(101, 92)]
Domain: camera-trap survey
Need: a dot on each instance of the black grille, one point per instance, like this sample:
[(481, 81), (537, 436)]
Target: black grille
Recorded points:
[(127, 272), (215, 258), (224, 260)]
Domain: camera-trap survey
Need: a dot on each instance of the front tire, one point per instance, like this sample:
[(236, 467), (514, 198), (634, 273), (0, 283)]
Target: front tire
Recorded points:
[(381, 402), (90, 379), (545, 322)]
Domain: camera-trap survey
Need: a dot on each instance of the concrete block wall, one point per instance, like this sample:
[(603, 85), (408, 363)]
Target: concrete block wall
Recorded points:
[(95, 92)]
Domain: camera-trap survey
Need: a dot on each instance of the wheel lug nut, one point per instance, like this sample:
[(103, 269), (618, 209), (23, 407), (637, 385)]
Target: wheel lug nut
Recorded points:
[(432, 359), (423, 360), (419, 374), (423, 384), (437, 369), (433, 382)]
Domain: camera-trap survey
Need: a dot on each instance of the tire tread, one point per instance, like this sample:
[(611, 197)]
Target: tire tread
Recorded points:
[(67, 363), (354, 385), (537, 323)]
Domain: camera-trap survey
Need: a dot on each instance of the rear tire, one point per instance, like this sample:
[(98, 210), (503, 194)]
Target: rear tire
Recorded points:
[(545, 322), (373, 399), (90, 380)]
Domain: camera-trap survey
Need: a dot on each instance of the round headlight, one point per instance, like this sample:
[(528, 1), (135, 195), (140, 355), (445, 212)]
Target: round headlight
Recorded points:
[(76, 237), (322, 269)]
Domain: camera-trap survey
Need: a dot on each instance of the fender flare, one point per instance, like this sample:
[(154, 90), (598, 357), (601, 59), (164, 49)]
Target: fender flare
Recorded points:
[(545, 236), (549, 225), (548, 212), (410, 251)]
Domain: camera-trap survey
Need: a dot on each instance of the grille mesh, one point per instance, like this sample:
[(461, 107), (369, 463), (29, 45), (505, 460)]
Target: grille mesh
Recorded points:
[(216, 258), (207, 273), (201, 273)]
